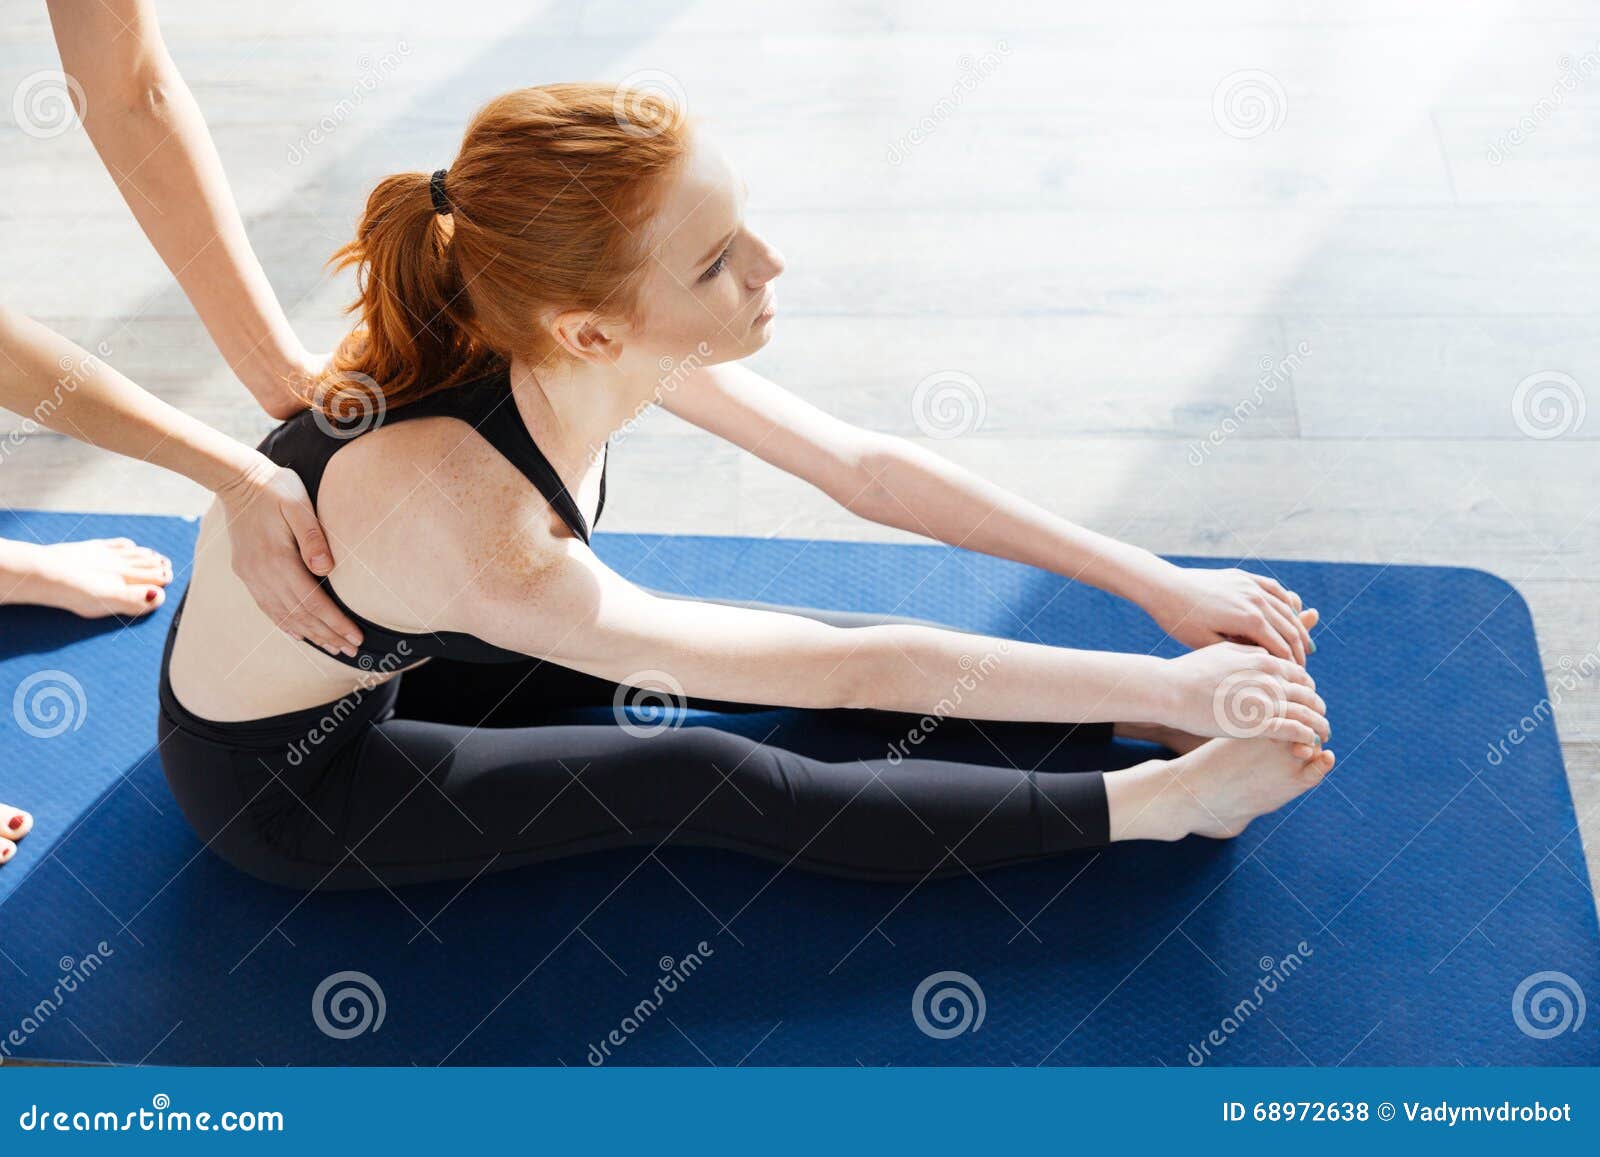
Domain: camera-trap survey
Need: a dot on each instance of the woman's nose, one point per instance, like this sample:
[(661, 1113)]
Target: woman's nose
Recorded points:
[(770, 266)]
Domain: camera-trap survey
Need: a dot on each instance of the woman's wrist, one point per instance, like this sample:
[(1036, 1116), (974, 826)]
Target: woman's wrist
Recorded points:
[(1135, 574), (248, 475), (1137, 688), (1164, 694), (279, 377)]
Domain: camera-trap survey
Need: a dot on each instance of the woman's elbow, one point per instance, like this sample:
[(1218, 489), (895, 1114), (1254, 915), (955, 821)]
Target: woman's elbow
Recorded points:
[(867, 492), (117, 99)]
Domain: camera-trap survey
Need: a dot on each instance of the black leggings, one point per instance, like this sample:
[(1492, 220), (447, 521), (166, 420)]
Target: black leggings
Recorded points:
[(453, 769)]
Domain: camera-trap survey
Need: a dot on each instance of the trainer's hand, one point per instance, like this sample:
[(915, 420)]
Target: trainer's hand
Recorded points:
[(1232, 689), (275, 538), (1199, 607)]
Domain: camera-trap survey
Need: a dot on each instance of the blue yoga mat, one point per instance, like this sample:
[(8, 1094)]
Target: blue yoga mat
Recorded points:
[(1427, 905)]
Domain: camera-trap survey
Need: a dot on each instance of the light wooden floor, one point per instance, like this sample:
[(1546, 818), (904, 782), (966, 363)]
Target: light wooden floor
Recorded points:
[(1078, 233)]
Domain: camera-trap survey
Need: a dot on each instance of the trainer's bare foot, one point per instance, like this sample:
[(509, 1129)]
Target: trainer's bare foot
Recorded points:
[(94, 578), (1214, 790), (14, 824)]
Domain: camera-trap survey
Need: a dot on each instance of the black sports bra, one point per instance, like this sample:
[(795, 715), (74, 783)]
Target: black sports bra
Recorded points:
[(307, 441)]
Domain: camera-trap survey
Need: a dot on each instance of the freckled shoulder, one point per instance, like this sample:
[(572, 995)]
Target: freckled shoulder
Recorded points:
[(422, 512)]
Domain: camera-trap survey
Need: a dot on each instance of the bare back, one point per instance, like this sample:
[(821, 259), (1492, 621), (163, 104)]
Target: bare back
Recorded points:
[(418, 513)]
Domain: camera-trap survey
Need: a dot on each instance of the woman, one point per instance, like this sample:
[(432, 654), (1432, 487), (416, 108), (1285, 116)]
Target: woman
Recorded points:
[(515, 311), (146, 128)]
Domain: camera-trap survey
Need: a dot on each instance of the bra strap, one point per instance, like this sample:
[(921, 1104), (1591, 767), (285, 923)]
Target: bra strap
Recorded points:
[(501, 425)]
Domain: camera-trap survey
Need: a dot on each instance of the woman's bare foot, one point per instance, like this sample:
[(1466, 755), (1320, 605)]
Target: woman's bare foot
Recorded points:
[(94, 578), (14, 825), (1169, 737), (1214, 790)]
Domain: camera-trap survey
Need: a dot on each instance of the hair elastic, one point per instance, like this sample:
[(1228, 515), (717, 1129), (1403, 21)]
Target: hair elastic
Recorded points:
[(441, 203)]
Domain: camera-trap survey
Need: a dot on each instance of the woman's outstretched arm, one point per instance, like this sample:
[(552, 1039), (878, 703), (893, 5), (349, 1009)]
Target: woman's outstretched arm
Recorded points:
[(915, 489), (554, 598), (273, 528), (144, 123), (896, 482)]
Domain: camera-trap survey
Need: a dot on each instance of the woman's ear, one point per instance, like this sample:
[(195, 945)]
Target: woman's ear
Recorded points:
[(584, 335)]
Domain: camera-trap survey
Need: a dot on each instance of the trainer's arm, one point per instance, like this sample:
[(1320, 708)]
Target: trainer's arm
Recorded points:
[(272, 526), (144, 123), (556, 599)]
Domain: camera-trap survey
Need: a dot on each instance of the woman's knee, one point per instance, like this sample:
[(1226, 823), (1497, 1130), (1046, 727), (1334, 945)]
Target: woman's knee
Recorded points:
[(271, 865), (687, 767)]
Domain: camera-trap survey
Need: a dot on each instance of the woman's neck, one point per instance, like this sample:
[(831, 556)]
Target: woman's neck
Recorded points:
[(582, 405)]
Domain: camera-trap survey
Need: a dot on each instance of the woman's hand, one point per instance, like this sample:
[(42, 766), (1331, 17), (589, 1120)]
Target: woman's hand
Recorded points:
[(1244, 692), (275, 537), (1199, 607)]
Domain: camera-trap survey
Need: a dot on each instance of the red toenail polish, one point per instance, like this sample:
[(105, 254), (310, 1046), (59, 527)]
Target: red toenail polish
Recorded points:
[(150, 595), (16, 822)]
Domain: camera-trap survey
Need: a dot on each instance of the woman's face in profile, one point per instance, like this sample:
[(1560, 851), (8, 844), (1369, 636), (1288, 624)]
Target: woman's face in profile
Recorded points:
[(708, 292)]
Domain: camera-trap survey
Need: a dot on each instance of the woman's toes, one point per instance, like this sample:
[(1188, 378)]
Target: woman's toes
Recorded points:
[(142, 561), (147, 573), (1319, 765), (136, 600), (7, 850), (14, 824)]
